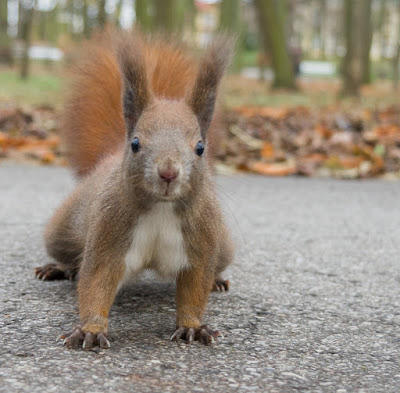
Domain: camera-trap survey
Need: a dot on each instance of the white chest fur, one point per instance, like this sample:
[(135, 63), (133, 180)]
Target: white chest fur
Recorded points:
[(157, 243)]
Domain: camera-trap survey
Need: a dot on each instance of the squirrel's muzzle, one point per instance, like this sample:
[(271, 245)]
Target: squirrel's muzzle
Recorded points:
[(169, 174)]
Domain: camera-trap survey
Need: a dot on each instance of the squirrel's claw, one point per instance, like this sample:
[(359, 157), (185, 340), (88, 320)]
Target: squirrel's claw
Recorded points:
[(77, 337), (103, 342), (52, 271), (74, 338), (221, 286), (204, 334), (179, 332)]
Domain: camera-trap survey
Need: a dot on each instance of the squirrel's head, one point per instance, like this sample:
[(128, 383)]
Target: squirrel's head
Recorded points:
[(166, 150)]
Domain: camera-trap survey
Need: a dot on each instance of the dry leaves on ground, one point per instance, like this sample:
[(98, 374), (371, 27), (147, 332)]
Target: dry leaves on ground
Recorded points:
[(331, 141), (29, 135)]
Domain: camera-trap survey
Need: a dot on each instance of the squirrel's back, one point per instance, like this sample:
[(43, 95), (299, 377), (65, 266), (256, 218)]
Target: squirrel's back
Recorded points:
[(93, 124)]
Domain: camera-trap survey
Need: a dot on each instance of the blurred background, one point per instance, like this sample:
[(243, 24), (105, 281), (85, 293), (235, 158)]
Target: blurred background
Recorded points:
[(313, 90)]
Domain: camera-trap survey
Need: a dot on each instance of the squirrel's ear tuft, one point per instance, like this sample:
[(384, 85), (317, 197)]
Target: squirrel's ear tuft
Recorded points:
[(135, 91), (216, 59)]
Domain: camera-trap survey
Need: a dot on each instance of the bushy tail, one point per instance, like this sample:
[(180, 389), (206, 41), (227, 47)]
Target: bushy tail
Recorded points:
[(93, 123)]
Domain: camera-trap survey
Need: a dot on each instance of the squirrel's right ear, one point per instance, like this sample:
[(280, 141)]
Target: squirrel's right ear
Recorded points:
[(135, 92), (216, 59)]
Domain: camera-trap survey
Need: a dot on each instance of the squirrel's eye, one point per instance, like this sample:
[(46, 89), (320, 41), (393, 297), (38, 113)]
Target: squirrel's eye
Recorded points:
[(199, 148), (135, 145)]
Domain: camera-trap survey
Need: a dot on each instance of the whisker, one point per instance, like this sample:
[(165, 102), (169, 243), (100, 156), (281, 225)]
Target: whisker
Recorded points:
[(232, 214), (183, 202)]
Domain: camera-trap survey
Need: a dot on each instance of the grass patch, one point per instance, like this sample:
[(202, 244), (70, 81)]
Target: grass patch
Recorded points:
[(46, 87), (249, 58), (312, 92), (38, 89)]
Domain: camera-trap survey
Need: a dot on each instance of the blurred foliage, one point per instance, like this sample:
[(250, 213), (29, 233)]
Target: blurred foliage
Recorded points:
[(267, 128), (297, 30)]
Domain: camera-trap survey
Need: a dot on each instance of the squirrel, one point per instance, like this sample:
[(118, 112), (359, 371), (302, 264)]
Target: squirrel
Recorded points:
[(136, 129)]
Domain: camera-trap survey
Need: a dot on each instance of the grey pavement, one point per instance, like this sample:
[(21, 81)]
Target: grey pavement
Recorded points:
[(314, 303)]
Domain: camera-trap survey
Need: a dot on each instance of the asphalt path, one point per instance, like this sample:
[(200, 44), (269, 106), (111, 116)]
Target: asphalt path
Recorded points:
[(314, 303)]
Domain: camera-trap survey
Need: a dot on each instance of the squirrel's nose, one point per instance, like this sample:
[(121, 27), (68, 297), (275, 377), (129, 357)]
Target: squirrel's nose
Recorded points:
[(168, 175)]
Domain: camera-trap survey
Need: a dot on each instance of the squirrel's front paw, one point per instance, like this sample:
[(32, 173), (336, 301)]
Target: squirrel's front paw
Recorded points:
[(78, 337), (203, 334)]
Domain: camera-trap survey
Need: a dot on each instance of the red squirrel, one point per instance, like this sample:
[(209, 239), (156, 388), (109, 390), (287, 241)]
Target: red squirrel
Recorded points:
[(135, 127)]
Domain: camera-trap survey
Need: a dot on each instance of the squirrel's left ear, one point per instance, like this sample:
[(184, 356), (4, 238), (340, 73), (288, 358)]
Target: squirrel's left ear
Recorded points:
[(135, 92), (211, 69)]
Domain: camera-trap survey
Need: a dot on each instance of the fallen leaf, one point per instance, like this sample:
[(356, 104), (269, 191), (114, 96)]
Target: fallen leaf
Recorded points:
[(267, 151), (272, 169)]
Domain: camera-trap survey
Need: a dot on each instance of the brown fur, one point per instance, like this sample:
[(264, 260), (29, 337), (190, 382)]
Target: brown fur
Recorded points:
[(93, 230)]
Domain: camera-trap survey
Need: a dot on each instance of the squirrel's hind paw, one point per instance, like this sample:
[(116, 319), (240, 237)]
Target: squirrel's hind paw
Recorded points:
[(52, 271), (203, 334), (77, 337), (221, 286)]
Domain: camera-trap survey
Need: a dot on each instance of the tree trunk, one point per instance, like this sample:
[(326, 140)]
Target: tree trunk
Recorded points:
[(70, 8), (352, 60), (102, 15), (167, 15), (3, 20), (5, 50), (396, 64), (143, 19), (320, 27), (181, 7), (358, 36), (85, 18), (229, 15), (381, 27), (117, 16), (40, 28), (272, 27), (291, 36), (189, 17), (52, 24), (366, 39), (396, 59), (20, 17), (27, 14)]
